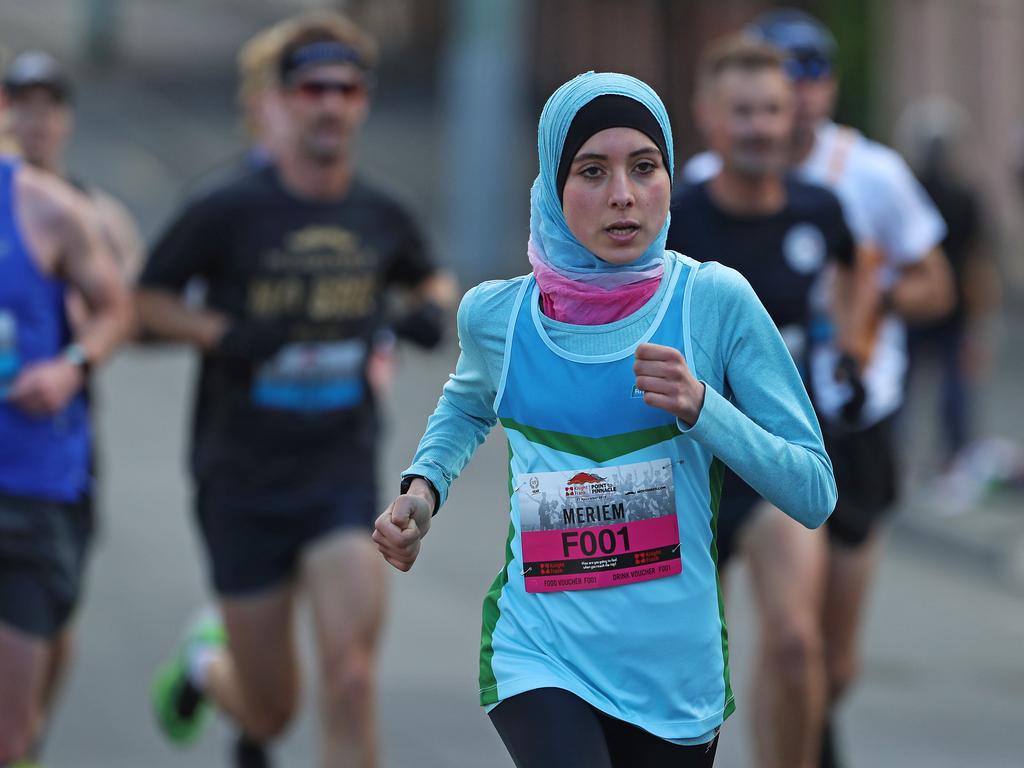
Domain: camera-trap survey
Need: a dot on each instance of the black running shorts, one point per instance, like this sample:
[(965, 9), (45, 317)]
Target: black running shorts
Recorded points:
[(254, 541), (43, 548), (867, 476), (736, 509)]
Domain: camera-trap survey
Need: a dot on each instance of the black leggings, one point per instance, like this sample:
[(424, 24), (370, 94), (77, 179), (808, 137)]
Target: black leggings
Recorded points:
[(552, 728)]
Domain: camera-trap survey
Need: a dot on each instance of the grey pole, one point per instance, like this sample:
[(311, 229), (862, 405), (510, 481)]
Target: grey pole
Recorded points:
[(486, 169), (99, 27)]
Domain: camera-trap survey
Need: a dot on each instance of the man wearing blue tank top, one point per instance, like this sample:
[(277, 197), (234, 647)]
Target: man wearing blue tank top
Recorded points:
[(50, 241), (40, 100), (607, 368)]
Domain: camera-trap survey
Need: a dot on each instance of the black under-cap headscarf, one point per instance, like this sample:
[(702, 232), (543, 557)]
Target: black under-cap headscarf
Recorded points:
[(609, 111)]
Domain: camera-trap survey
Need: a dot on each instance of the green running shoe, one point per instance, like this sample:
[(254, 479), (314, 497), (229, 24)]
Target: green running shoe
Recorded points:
[(182, 710)]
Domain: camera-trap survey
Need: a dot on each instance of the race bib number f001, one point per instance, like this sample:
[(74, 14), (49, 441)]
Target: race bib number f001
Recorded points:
[(586, 529)]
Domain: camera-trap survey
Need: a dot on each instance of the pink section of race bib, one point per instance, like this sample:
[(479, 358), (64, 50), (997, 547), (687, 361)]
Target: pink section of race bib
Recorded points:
[(601, 556)]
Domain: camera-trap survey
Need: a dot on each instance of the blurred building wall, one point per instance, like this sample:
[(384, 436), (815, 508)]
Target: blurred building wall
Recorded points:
[(181, 52), (892, 52), (658, 41), (971, 51)]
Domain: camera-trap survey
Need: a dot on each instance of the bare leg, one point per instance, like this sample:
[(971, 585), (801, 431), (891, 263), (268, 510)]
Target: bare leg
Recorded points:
[(344, 577), (850, 571), (787, 564), (58, 659), (255, 680), (23, 672)]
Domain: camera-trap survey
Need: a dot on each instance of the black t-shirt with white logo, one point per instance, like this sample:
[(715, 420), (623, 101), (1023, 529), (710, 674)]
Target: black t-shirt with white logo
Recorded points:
[(312, 275), (782, 255)]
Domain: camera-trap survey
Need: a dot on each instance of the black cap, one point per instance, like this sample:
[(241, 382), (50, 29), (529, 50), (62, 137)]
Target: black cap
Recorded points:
[(37, 69), (797, 33)]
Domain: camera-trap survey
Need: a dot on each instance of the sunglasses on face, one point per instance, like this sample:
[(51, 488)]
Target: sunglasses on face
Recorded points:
[(317, 89), (808, 68)]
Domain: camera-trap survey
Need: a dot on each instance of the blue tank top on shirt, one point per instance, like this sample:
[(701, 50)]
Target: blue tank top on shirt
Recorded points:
[(40, 457), (610, 588)]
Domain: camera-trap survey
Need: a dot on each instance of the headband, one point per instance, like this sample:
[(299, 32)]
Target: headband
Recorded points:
[(315, 54)]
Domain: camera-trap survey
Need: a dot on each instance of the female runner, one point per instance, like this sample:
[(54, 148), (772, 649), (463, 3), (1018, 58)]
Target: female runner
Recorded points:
[(626, 377)]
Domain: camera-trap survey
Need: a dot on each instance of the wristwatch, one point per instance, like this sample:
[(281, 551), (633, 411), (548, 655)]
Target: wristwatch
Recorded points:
[(75, 354), (407, 481)]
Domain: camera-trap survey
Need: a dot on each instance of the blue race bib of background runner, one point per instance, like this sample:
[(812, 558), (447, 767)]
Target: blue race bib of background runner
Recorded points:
[(312, 377)]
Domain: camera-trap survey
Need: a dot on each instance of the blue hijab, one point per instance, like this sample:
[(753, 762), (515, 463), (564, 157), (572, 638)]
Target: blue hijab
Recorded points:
[(550, 238)]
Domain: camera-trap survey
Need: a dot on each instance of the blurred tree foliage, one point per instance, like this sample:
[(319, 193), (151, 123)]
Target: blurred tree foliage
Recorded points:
[(852, 22)]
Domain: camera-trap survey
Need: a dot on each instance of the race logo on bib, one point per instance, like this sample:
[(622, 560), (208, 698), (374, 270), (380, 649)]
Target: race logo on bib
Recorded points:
[(586, 529)]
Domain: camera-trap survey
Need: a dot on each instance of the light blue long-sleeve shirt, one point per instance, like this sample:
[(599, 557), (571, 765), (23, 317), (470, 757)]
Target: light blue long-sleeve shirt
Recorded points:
[(756, 416)]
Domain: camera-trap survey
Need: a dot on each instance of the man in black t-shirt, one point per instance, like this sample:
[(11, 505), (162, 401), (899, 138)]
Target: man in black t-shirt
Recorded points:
[(784, 236), (297, 256)]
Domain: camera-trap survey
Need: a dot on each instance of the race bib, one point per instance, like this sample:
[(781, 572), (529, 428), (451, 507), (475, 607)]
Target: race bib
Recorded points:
[(10, 361), (598, 528), (312, 377)]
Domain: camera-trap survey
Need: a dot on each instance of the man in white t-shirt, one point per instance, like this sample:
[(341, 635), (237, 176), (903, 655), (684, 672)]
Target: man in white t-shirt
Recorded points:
[(859, 364)]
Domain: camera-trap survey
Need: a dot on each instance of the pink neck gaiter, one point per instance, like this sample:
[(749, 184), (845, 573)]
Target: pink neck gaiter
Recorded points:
[(596, 300)]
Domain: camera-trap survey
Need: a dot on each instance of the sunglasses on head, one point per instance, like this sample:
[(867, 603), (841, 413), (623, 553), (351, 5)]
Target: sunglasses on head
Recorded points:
[(317, 89), (808, 68)]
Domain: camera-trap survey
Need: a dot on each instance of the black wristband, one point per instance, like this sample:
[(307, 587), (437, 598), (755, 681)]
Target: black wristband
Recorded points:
[(407, 481), (423, 326), (848, 370)]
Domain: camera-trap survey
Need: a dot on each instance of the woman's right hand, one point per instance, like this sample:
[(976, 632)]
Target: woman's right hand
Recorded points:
[(400, 527)]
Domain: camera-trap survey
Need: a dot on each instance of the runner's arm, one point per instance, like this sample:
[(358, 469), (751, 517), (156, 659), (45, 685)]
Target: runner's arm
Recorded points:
[(121, 234), (82, 260), (857, 303), (438, 288), (431, 292), (164, 314), (465, 412), (188, 248), (432, 299), (88, 265), (924, 290), (910, 232), (768, 433)]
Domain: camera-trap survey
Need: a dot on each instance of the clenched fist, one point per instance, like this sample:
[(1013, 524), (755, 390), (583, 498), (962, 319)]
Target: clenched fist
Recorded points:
[(45, 388), (399, 529), (665, 379)]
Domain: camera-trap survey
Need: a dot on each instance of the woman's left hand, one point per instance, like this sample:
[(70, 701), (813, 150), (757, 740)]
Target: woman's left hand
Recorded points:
[(665, 379)]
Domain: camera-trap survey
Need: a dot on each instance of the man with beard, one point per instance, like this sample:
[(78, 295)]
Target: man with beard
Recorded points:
[(297, 255), (904, 277), (782, 235)]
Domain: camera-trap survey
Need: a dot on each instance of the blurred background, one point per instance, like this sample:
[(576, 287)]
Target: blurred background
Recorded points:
[(453, 134)]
